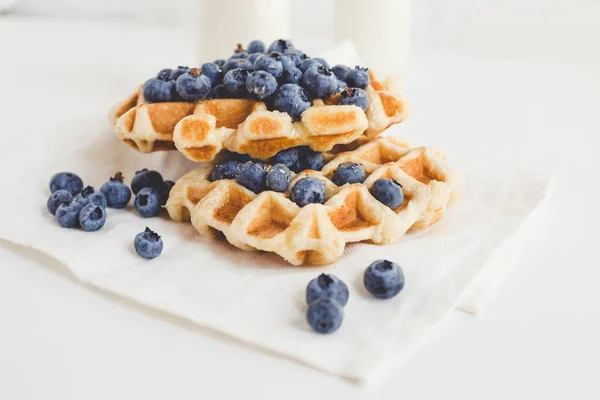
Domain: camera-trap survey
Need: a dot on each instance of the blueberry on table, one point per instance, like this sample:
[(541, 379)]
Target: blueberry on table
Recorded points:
[(148, 202), (308, 190), (271, 63), (349, 172), (116, 192), (252, 176), (237, 63), (224, 170), (156, 90), (177, 72), (165, 191), (235, 82), (292, 99), (324, 315), (89, 195), (278, 178), (67, 214), (148, 244), (145, 178), (212, 71), (355, 97), (57, 198), (291, 75), (256, 46), (280, 46), (358, 77), (92, 217), (327, 286), (67, 181), (309, 159), (340, 71), (192, 86), (388, 192), (164, 74), (383, 279), (320, 81)]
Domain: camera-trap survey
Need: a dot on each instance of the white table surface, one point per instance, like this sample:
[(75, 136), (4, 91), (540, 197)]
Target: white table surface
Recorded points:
[(537, 339)]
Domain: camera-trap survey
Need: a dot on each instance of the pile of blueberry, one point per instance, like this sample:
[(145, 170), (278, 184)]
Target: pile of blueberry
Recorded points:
[(285, 78), (326, 295), (75, 206), (257, 176)]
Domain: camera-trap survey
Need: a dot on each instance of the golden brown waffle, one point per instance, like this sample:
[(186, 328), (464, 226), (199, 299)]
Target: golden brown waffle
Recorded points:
[(317, 233), (201, 130)]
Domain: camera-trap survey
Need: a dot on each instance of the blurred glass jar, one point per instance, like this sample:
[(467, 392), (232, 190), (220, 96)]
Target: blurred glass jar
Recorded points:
[(221, 24)]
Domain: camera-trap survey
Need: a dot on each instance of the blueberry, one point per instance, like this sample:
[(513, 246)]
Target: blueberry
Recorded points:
[(383, 279), (156, 90), (164, 74), (297, 56), (341, 86), (327, 286), (252, 57), (340, 71), (278, 178), (355, 97), (89, 195), (292, 99), (308, 190), (178, 71), (220, 63), (237, 63), (349, 172), (388, 192), (252, 176), (292, 75), (309, 159), (319, 81), (289, 158), (220, 92), (280, 46), (165, 191), (192, 86), (224, 170), (261, 84), (148, 244), (92, 217), (358, 77), (212, 71), (322, 62), (145, 178), (324, 315), (270, 63), (256, 46), (148, 202), (239, 52), (57, 198), (308, 63), (67, 214), (67, 181), (287, 62), (235, 82), (116, 192)]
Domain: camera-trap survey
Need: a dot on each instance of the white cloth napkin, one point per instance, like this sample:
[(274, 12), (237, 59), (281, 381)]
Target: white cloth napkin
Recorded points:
[(253, 296)]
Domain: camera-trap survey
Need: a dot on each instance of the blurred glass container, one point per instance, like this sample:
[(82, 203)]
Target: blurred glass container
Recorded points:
[(380, 30), (221, 24)]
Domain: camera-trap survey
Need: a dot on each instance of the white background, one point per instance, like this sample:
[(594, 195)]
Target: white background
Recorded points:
[(520, 97)]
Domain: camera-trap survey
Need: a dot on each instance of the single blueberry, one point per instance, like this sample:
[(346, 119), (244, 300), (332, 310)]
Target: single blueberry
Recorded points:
[(322, 62), (252, 57), (319, 81), (308, 63), (92, 217), (148, 202), (280, 46), (261, 84), (192, 86), (67, 214), (164, 74), (220, 92), (289, 158), (292, 75), (297, 56), (340, 71), (156, 90), (278, 178), (235, 82), (309, 159), (292, 99), (358, 77), (67, 181), (355, 97), (324, 315), (349, 172), (270, 63), (327, 286), (237, 63), (388, 192), (256, 46), (252, 176), (89, 195), (308, 190), (220, 63), (178, 71), (165, 191), (57, 198), (212, 71), (145, 178), (116, 192), (383, 279), (287, 62), (148, 244), (224, 170), (239, 52)]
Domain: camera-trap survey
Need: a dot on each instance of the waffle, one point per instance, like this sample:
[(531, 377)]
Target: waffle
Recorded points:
[(318, 233), (201, 130)]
